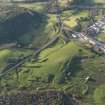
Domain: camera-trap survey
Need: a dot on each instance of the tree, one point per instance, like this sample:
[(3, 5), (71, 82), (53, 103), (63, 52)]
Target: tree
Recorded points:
[(50, 77)]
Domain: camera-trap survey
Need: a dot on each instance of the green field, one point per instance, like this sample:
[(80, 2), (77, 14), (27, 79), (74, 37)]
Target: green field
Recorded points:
[(99, 95), (4, 54)]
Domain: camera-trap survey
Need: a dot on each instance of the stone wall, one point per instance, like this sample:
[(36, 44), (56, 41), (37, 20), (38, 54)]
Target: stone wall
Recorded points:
[(39, 98)]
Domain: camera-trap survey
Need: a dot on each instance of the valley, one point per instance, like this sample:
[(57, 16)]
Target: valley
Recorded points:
[(52, 47)]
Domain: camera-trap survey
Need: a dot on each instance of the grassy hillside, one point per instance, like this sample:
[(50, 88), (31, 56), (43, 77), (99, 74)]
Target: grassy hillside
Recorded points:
[(22, 25), (69, 67)]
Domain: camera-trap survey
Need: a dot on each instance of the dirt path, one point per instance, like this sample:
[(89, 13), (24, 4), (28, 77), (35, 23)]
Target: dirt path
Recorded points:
[(6, 46)]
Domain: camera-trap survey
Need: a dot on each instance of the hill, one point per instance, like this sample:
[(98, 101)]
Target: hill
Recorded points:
[(67, 64), (18, 23)]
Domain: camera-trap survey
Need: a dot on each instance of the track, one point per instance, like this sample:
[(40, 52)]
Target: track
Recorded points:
[(6, 46)]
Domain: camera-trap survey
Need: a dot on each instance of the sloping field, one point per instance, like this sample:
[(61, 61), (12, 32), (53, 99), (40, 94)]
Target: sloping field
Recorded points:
[(99, 1)]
